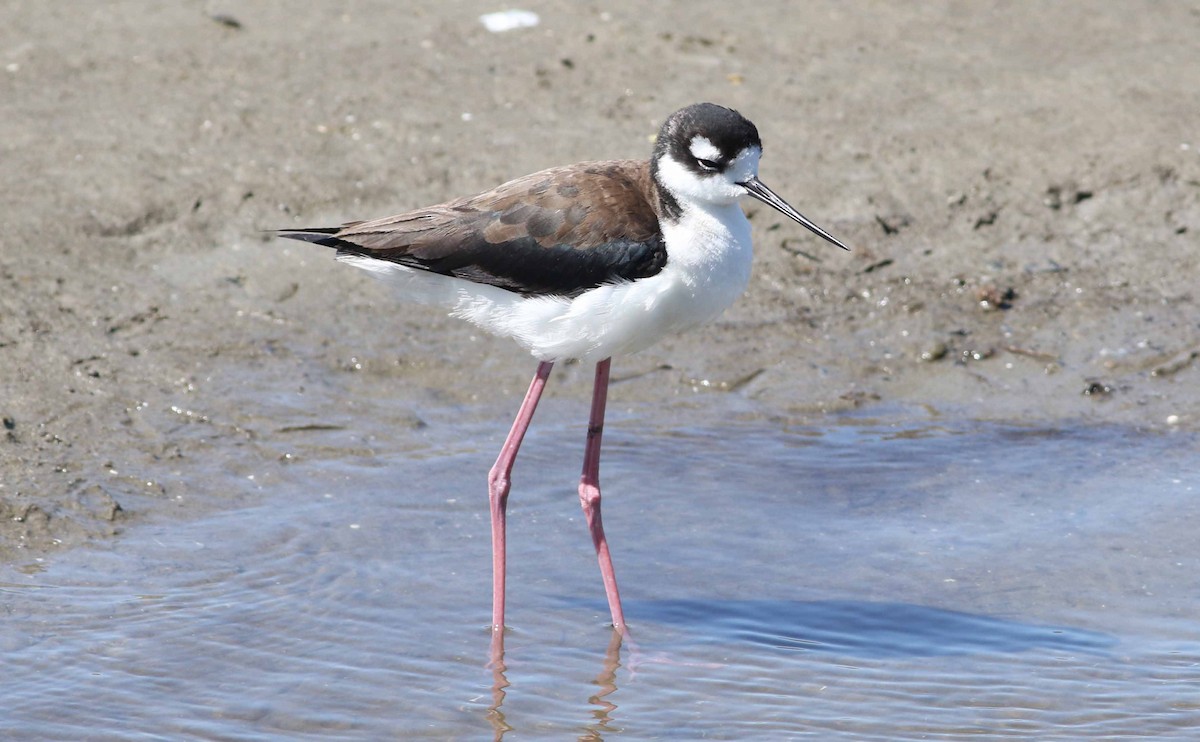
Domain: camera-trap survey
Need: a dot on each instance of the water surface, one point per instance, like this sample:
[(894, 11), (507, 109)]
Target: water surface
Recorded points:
[(864, 579)]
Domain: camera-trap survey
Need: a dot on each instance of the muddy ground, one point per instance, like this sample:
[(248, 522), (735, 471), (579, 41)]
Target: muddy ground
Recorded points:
[(1020, 183)]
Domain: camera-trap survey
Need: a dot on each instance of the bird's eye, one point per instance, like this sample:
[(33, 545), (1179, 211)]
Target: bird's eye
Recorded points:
[(708, 165)]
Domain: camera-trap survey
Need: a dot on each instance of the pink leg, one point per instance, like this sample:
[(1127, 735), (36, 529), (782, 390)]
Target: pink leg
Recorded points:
[(589, 493), (499, 480)]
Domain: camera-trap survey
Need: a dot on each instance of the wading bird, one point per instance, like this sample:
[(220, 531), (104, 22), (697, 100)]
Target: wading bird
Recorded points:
[(581, 262)]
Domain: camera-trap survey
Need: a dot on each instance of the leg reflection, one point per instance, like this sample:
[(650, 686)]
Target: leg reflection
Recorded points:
[(602, 708), (602, 714), (495, 716)]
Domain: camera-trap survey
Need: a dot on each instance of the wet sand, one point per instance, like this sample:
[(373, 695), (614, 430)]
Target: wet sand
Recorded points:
[(1021, 190)]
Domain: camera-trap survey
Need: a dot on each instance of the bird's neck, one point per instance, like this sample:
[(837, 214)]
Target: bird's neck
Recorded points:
[(709, 237), (666, 205)]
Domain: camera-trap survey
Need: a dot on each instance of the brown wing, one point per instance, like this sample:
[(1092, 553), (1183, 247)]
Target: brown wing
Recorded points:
[(558, 231)]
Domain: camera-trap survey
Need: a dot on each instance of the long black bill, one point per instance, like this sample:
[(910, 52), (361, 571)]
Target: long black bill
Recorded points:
[(755, 188)]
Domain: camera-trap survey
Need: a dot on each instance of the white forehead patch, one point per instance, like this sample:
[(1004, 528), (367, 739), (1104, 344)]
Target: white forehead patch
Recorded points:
[(745, 164), (702, 149)]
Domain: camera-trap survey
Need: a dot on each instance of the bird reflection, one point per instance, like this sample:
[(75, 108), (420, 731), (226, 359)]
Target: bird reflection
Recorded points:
[(605, 681), (495, 716)]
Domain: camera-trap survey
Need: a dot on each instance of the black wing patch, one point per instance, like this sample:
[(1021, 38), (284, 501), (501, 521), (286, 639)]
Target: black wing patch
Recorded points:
[(522, 265)]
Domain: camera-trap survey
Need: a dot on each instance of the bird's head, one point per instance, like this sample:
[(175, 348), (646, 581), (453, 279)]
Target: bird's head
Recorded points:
[(707, 154)]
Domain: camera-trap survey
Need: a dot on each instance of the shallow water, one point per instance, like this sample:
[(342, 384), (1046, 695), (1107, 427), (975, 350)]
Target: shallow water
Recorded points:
[(867, 579)]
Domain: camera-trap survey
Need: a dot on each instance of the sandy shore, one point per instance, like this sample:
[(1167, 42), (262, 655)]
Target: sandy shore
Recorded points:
[(1021, 189)]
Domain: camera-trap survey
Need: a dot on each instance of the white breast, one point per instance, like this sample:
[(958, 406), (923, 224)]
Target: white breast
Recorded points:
[(708, 267)]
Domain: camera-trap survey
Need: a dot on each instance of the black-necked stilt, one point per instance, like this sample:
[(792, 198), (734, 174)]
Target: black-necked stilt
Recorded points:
[(582, 262)]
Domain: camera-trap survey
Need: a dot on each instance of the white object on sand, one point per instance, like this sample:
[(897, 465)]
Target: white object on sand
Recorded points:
[(508, 20)]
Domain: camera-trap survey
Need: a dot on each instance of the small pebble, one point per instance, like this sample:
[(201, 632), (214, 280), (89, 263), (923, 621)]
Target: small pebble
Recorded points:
[(936, 353)]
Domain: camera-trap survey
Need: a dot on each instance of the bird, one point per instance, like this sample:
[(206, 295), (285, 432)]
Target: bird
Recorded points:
[(582, 263)]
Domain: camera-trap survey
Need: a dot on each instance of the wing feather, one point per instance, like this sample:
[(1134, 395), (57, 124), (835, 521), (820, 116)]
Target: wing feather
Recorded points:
[(559, 231)]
